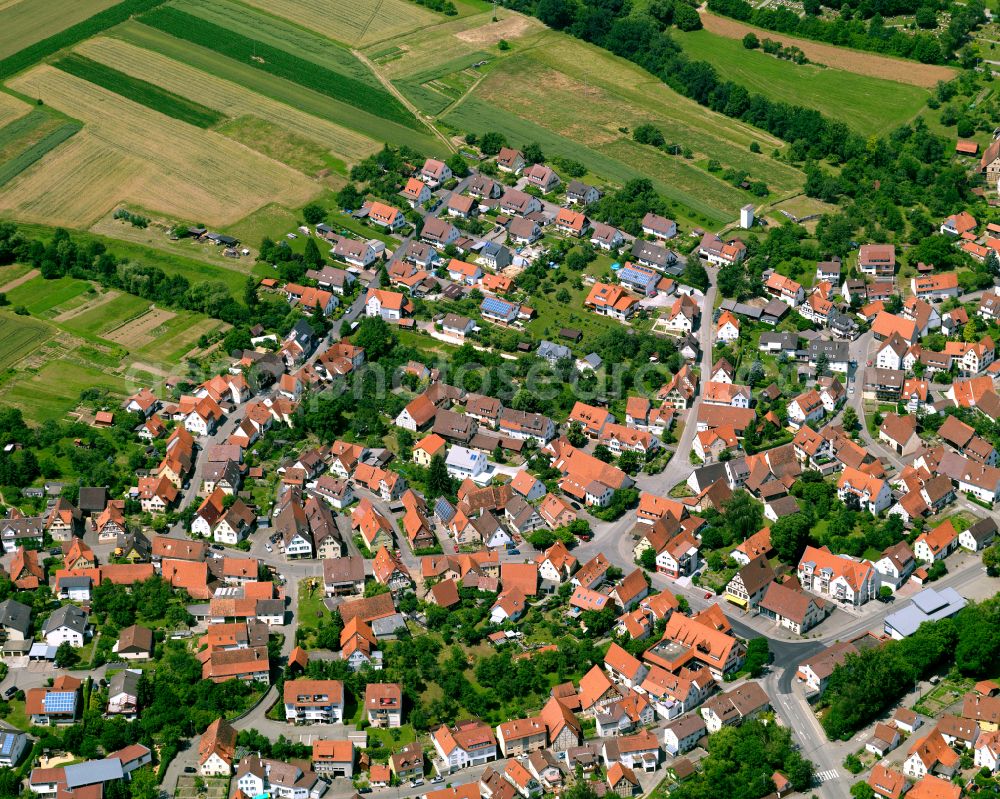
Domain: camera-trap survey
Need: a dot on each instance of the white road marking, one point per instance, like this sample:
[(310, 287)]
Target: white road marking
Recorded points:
[(825, 776)]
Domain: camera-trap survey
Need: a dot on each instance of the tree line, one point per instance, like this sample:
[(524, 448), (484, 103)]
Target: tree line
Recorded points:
[(865, 29), (641, 37), (64, 256)]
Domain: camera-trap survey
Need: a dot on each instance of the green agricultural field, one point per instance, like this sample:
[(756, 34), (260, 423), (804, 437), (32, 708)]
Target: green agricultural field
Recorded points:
[(32, 49), (40, 296), (281, 63), (580, 102), (275, 142), (19, 337), (570, 75), (284, 91), (177, 337), (869, 105), (265, 27), (140, 91), (54, 390), (27, 139), (104, 315), (24, 22), (458, 41)]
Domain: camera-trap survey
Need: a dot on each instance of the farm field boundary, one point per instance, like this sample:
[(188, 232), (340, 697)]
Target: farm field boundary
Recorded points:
[(299, 98), (140, 91), (24, 22), (15, 166), (898, 70), (101, 21), (133, 155), (280, 63), (353, 22), (339, 143)]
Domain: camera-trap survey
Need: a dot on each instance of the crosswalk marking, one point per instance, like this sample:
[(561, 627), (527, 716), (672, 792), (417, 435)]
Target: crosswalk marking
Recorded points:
[(824, 776)]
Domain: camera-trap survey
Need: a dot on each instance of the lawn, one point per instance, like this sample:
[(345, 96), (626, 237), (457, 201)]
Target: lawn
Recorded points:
[(271, 221), (284, 91), (392, 739), (311, 607), (19, 337), (869, 105)]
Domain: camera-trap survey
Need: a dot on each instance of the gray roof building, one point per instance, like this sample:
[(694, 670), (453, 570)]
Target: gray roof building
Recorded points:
[(66, 616), (93, 772), (929, 605), (553, 352), (15, 616)]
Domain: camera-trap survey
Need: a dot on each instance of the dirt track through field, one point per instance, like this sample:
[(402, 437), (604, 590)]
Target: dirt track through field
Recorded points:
[(19, 280), (87, 306), (876, 66)]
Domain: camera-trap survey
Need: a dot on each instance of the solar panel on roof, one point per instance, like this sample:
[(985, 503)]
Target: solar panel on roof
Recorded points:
[(59, 701), (6, 744), (495, 305)]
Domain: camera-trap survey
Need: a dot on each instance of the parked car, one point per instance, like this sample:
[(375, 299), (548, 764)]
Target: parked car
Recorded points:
[(218, 547), (437, 780), (189, 769)]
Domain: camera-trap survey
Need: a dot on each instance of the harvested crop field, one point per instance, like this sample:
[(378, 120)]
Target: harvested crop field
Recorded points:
[(230, 98), (140, 331), (353, 22), (11, 108), (860, 62), (24, 22), (129, 153), (260, 83), (513, 27)]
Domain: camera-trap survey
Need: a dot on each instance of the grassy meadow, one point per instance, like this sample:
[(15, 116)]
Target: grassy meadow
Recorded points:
[(867, 104)]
